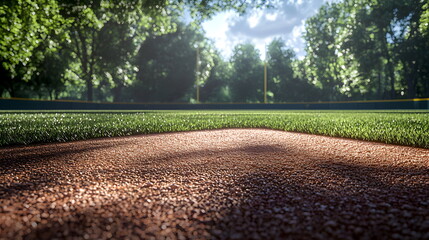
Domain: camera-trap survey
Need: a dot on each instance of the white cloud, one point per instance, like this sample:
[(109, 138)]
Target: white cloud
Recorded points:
[(217, 29), (262, 26), (271, 16), (254, 19)]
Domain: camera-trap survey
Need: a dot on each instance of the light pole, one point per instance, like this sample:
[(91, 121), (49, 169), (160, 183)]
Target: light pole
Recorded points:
[(265, 82), (265, 76), (197, 73)]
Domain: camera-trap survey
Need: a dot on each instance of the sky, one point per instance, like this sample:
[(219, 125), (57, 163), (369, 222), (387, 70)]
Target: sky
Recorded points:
[(261, 26)]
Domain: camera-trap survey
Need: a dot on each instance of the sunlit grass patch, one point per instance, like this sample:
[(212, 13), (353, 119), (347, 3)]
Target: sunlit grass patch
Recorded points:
[(396, 127)]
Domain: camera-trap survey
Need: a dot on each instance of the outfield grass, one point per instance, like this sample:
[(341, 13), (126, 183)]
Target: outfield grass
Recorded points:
[(397, 127)]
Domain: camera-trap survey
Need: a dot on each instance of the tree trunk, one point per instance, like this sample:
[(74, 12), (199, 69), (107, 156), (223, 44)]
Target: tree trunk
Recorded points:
[(117, 93), (11, 92), (89, 87), (390, 70), (51, 94), (380, 86), (336, 77), (87, 75), (392, 79), (411, 83), (11, 88)]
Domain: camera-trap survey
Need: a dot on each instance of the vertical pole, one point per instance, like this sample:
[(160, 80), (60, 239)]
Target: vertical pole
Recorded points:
[(197, 74), (265, 75), (265, 79)]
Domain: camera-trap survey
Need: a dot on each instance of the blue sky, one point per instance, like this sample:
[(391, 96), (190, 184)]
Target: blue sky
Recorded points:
[(260, 26)]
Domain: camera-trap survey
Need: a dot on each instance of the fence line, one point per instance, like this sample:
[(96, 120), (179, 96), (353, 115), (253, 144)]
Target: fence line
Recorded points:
[(37, 104)]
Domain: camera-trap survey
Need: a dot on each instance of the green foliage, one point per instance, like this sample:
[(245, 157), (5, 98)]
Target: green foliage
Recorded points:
[(115, 66), (50, 74), (201, 9), (424, 19), (247, 76), (365, 49), (322, 48), (406, 128), (100, 26), (140, 17), (138, 50), (24, 25), (91, 30), (282, 80), (167, 74), (216, 88)]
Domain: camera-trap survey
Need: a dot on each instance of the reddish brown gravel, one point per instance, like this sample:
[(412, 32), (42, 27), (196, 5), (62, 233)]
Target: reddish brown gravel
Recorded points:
[(226, 184)]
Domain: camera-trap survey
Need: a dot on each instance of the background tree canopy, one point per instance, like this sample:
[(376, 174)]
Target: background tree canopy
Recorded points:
[(142, 51)]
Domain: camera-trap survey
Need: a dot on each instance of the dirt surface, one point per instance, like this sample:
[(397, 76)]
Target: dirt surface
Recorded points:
[(227, 184)]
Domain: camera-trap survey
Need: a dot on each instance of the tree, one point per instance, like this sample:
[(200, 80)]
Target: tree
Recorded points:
[(247, 77), (361, 42), (306, 91), (167, 66), (115, 54), (322, 50), (50, 74), (281, 81), (86, 26), (381, 15), (368, 49), (412, 45), (89, 17), (387, 43), (424, 19), (216, 88), (25, 24)]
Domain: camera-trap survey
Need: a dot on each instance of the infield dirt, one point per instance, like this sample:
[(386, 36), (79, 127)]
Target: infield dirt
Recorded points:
[(227, 184)]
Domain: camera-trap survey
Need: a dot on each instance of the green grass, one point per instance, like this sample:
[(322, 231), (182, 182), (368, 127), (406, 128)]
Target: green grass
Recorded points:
[(396, 127)]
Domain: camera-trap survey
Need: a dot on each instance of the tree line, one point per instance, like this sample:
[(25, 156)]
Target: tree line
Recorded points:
[(142, 51)]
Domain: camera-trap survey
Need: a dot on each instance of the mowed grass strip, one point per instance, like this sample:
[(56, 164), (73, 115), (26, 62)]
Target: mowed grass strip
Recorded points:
[(402, 127)]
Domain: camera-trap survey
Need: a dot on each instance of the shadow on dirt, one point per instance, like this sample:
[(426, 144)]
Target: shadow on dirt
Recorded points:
[(364, 203), (41, 166), (291, 195)]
